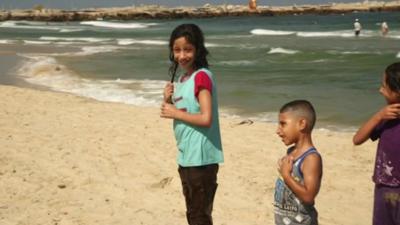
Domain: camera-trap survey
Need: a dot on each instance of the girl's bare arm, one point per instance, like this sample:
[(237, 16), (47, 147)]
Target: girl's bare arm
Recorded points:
[(204, 118)]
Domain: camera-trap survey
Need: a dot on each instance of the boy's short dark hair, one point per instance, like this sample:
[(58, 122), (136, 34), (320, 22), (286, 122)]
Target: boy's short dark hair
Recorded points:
[(393, 77), (302, 108)]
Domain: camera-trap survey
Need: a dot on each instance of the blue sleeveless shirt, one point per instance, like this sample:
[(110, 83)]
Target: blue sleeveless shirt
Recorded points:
[(287, 207)]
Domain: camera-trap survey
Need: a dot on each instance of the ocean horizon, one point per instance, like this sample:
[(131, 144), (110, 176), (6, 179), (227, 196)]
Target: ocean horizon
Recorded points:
[(260, 63)]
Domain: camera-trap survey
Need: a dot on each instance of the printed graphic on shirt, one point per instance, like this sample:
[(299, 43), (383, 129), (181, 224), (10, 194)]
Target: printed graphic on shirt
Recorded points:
[(285, 200), (288, 208), (178, 99), (384, 170)]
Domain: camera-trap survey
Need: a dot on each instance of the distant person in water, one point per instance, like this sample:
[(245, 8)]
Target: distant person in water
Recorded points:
[(384, 28), (357, 27)]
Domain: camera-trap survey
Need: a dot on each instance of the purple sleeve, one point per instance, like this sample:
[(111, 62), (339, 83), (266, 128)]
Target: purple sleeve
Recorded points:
[(376, 132)]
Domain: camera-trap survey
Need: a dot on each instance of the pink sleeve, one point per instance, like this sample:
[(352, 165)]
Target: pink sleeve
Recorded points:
[(202, 81)]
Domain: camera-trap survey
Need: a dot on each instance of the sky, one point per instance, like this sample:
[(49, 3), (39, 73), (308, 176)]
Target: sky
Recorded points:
[(79, 4)]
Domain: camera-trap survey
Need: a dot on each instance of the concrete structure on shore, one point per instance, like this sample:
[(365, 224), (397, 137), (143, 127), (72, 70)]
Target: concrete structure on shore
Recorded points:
[(160, 12)]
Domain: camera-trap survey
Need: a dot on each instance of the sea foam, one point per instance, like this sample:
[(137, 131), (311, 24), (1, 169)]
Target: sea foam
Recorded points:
[(85, 39), (314, 34), (47, 71), (88, 50), (237, 63), (31, 25), (270, 32), (118, 25), (70, 30), (282, 51), (36, 42), (343, 33), (129, 41), (6, 41)]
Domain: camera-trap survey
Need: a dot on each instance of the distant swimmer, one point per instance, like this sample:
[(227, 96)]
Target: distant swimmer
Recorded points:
[(357, 28), (384, 28)]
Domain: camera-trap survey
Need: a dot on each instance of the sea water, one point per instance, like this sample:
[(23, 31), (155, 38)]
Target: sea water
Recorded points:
[(259, 62)]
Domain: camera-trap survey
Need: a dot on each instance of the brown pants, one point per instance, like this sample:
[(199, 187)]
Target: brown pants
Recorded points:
[(199, 185)]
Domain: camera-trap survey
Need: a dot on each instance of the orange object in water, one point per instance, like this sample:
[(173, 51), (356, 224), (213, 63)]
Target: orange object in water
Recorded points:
[(252, 4)]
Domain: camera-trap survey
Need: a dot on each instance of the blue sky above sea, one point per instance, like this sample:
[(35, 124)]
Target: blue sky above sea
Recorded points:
[(78, 4)]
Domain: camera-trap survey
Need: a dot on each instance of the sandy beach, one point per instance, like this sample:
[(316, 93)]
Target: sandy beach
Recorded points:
[(72, 160)]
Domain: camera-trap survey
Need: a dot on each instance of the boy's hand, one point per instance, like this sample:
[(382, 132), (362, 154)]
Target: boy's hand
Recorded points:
[(168, 91), (168, 111), (390, 112), (285, 166), (280, 163)]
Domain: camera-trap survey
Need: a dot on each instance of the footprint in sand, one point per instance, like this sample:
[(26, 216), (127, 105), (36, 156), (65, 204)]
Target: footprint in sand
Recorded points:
[(164, 182)]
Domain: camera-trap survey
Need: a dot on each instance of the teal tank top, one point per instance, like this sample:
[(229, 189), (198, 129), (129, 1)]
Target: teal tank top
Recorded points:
[(198, 146)]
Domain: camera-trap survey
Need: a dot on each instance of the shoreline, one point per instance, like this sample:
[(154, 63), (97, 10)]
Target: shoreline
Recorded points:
[(72, 160), (13, 79), (162, 12), (9, 60)]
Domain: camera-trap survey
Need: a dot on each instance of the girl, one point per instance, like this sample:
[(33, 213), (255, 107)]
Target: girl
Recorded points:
[(193, 107), (385, 125)]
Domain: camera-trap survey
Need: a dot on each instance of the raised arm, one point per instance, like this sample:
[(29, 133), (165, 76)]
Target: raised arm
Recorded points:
[(204, 118), (168, 91), (388, 112)]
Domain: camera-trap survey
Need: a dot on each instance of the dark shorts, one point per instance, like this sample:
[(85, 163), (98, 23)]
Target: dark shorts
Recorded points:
[(199, 186), (357, 32), (386, 205), (309, 217)]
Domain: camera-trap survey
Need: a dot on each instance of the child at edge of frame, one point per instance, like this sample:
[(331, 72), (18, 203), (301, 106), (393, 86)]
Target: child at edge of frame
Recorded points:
[(385, 126)]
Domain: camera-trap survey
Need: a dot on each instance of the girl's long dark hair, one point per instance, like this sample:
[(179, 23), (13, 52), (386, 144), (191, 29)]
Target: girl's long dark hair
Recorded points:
[(194, 36)]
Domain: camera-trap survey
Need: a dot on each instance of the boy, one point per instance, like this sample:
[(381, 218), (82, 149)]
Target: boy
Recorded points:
[(300, 169)]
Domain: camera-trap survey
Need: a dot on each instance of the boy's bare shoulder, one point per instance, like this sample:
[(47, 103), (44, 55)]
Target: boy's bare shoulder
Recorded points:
[(313, 160), (314, 156)]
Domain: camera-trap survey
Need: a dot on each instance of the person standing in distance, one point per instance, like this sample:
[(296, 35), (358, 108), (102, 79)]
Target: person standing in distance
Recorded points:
[(357, 27), (384, 28)]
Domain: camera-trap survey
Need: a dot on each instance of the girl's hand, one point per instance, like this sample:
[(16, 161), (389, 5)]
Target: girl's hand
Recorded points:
[(168, 111), (390, 112), (168, 91)]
